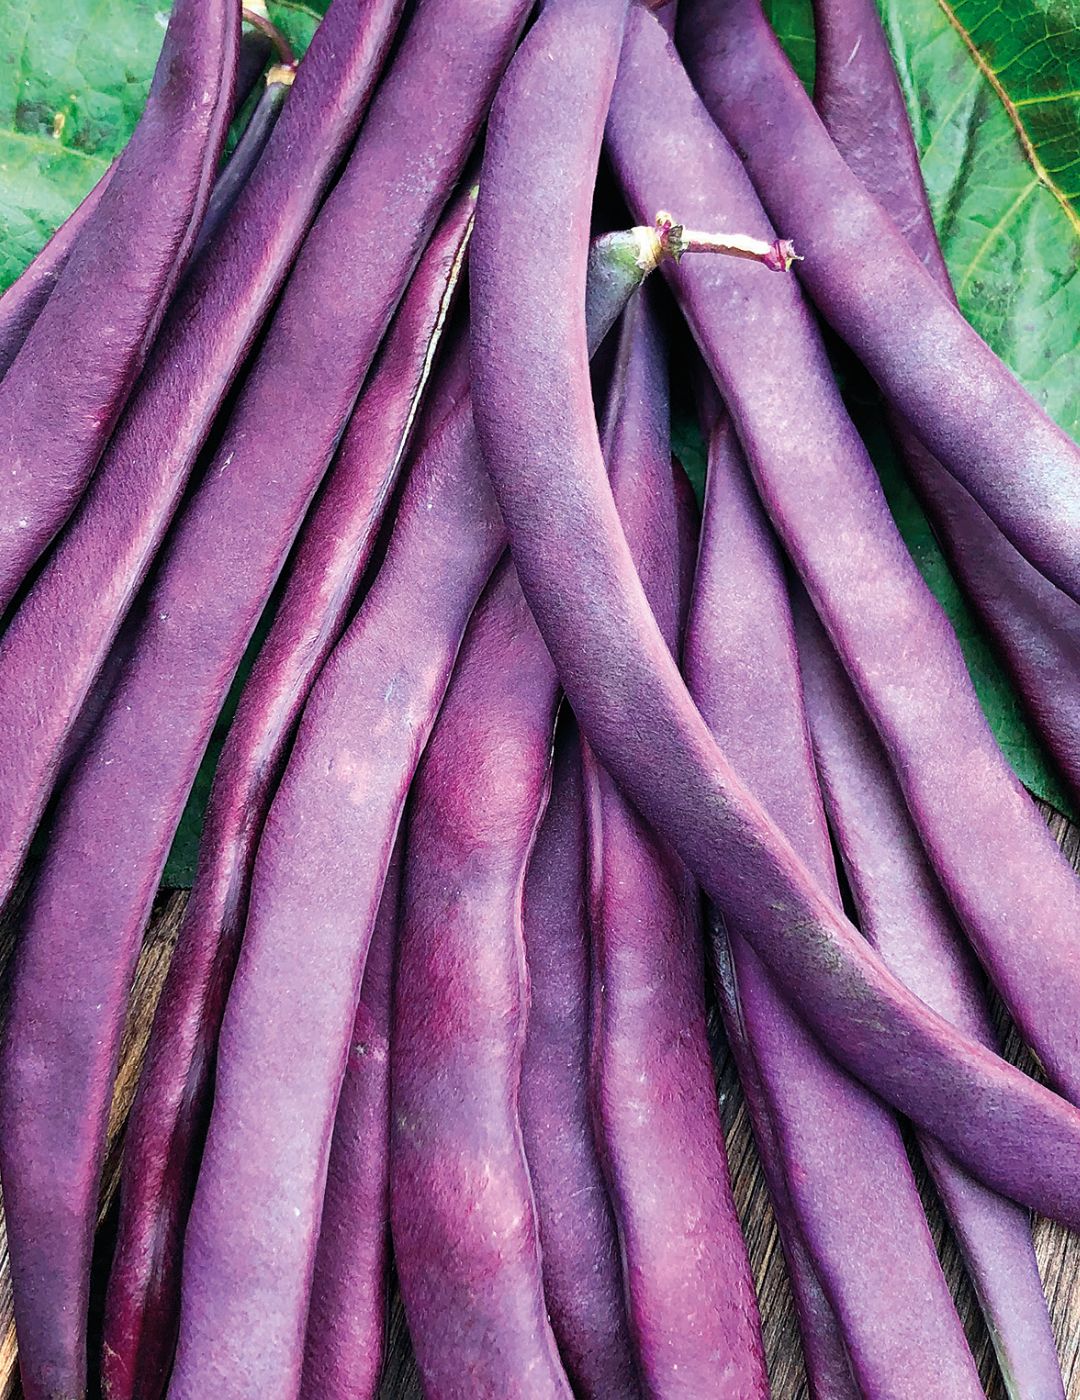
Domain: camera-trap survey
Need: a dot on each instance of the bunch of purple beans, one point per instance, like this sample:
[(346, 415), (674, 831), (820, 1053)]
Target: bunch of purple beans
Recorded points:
[(533, 760)]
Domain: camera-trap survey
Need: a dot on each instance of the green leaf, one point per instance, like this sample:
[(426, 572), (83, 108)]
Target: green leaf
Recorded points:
[(73, 81), (297, 21), (793, 20), (1012, 242)]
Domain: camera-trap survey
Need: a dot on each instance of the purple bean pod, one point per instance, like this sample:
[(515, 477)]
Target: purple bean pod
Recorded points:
[(1016, 895), (168, 1119), (582, 1271), (904, 914), (1035, 626), (60, 636), (690, 1293), (466, 1241), (346, 1324), (211, 585), (320, 867), (964, 403), (22, 303), (108, 301), (828, 1371), (246, 153), (842, 1158), (536, 425), (256, 47)]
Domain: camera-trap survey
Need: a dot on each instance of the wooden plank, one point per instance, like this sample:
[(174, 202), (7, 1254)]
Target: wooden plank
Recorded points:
[(1058, 1249)]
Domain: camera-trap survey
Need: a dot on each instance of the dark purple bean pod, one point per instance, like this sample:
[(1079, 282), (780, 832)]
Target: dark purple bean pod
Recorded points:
[(346, 1324), (535, 421), (964, 403), (828, 1371), (690, 1293), (1015, 893), (247, 152), (846, 1170), (60, 636), (168, 1119), (256, 46), (579, 1250), (466, 1241), (108, 301), (904, 914), (211, 585), (1035, 626), (22, 303), (320, 867)]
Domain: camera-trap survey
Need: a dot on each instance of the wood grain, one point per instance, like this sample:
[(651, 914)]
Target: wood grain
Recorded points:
[(1058, 1250)]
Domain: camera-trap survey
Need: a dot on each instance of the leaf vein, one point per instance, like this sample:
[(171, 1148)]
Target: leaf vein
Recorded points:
[(1043, 175)]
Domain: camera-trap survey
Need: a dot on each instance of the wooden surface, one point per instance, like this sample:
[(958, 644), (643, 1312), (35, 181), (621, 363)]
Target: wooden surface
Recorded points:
[(1058, 1250)]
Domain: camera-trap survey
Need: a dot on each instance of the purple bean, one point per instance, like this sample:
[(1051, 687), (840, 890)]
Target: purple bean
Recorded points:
[(104, 311), (246, 154), (828, 1371), (22, 303), (255, 50), (582, 1273), (534, 417), (846, 1170), (320, 868), (464, 1225), (168, 1119), (60, 636), (904, 914), (210, 588), (1016, 895), (965, 405), (690, 1293), (346, 1323), (1035, 626)]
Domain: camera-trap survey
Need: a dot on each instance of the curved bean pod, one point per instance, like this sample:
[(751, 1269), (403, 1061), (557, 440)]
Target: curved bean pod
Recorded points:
[(466, 1241), (22, 303), (168, 1118), (108, 301), (346, 1325), (534, 417), (61, 634), (903, 913), (690, 1294), (847, 1173), (1035, 626), (320, 866), (226, 552), (582, 1271), (1015, 893), (965, 405)]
